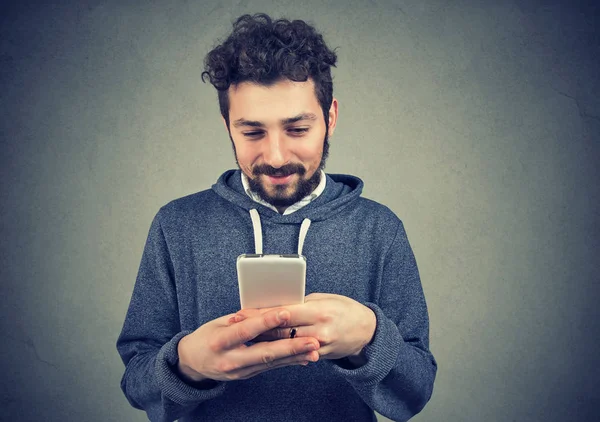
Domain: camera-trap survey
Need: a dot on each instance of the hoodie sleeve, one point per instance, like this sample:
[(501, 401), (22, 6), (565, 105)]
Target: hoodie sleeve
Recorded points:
[(397, 378), (149, 338)]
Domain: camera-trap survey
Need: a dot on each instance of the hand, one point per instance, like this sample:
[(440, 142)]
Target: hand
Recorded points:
[(342, 325), (217, 351)]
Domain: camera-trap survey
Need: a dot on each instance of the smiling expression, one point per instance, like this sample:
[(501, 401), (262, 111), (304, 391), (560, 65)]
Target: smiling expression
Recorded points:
[(279, 138)]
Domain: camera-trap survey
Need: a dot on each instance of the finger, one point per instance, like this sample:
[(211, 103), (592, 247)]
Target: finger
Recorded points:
[(268, 336), (254, 370), (304, 314), (225, 320), (247, 373), (285, 332), (301, 314), (240, 317), (268, 352), (248, 329), (246, 313), (250, 312), (234, 319)]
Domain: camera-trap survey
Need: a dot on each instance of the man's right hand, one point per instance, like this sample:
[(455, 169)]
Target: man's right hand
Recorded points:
[(217, 351)]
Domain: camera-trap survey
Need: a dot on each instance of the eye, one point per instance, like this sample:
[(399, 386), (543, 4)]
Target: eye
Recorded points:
[(253, 134), (298, 131)]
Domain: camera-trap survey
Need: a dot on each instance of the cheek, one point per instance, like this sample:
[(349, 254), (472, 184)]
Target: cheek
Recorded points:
[(245, 155), (311, 151)]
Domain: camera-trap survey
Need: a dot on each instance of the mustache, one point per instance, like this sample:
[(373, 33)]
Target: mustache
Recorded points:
[(281, 171)]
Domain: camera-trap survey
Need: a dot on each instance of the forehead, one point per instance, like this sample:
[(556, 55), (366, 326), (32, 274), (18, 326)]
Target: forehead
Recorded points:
[(282, 99)]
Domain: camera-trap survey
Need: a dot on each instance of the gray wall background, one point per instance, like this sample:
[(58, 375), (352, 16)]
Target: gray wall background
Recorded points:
[(477, 122)]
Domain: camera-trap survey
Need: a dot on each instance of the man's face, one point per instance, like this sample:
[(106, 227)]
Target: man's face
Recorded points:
[(278, 134)]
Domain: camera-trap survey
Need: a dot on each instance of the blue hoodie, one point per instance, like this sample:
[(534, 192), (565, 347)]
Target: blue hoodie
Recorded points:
[(354, 247)]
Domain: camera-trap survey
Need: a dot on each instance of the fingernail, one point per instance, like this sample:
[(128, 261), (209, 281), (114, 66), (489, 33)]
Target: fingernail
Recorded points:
[(304, 363), (310, 347), (282, 315)]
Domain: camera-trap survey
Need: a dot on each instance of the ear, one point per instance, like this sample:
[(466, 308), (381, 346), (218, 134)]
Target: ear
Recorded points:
[(333, 115)]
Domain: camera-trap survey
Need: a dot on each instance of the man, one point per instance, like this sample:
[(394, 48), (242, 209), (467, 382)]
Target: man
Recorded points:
[(358, 344)]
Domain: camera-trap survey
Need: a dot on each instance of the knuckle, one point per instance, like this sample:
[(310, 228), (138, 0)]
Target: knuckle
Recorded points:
[(221, 367), (232, 377), (324, 336), (214, 345), (268, 359), (271, 320), (265, 321), (325, 318), (243, 333), (304, 358), (226, 367), (313, 356)]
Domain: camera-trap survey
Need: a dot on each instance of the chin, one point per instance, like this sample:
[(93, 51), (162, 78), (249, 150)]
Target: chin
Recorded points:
[(281, 191)]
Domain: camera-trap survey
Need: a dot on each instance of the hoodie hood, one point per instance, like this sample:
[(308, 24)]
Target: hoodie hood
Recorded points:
[(340, 191)]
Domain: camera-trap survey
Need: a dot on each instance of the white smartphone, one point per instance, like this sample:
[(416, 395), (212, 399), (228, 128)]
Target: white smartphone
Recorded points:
[(271, 280)]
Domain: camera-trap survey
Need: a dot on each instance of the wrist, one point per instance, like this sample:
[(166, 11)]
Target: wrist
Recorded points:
[(369, 328), (183, 368), (358, 358)]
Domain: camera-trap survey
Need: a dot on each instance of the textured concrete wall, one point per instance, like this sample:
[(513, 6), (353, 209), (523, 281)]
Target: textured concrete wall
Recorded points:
[(477, 122)]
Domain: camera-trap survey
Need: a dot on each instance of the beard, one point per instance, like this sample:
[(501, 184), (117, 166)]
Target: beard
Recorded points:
[(280, 196)]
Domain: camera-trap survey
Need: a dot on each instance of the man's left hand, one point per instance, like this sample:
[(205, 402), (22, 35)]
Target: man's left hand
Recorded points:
[(342, 325)]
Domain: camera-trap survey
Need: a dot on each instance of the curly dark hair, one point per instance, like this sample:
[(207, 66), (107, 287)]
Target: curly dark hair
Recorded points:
[(264, 51)]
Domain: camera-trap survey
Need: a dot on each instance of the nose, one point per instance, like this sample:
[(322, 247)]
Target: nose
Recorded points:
[(275, 154)]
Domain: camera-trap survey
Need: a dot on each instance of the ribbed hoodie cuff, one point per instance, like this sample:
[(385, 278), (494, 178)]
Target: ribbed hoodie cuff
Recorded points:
[(171, 385), (381, 353)]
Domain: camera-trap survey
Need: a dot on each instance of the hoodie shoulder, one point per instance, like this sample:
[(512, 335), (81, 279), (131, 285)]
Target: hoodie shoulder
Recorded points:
[(193, 205), (189, 202), (379, 212), (377, 208)]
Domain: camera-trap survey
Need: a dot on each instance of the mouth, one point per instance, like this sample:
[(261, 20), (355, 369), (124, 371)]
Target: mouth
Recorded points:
[(280, 180)]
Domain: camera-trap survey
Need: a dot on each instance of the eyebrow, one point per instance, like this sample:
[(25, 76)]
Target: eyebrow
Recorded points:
[(286, 121)]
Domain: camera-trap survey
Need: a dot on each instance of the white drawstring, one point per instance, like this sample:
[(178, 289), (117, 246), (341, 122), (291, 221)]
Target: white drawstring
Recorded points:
[(257, 231), (303, 230), (258, 243)]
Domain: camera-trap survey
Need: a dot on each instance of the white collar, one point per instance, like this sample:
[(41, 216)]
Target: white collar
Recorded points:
[(292, 208)]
